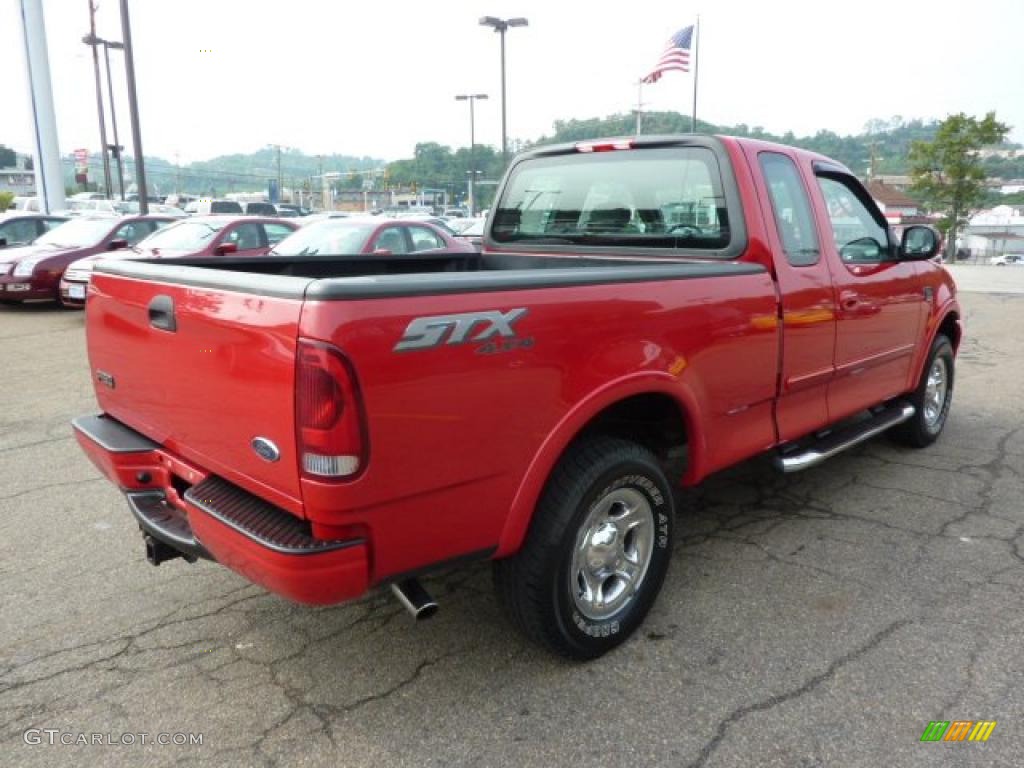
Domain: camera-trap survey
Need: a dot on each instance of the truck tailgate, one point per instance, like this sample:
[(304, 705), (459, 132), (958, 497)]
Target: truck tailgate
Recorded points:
[(203, 372)]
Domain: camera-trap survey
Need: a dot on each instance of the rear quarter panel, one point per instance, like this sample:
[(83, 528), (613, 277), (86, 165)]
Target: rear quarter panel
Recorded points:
[(458, 438)]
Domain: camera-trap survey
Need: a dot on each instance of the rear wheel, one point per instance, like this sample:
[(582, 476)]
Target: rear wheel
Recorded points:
[(596, 553), (931, 399)]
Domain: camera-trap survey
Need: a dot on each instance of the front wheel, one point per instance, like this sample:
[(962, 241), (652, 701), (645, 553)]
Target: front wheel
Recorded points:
[(596, 553), (931, 399)]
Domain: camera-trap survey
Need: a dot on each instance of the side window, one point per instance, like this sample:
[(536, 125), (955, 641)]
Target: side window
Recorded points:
[(792, 209), (276, 233), (245, 236), (860, 238), (45, 225), (19, 231), (132, 232), (424, 240), (391, 239)]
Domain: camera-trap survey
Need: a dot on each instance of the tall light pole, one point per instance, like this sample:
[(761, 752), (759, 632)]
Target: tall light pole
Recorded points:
[(93, 41), (471, 97), (501, 26), (49, 177), (133, 109)]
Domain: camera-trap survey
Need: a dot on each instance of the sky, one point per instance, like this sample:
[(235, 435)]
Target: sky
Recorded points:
[(374, 78)]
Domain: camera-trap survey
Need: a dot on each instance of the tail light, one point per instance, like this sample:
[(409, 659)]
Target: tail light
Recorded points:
[(329, 423)]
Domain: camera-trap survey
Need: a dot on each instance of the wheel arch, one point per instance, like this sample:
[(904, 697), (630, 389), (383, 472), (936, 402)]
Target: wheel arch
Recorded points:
[(608, 411)]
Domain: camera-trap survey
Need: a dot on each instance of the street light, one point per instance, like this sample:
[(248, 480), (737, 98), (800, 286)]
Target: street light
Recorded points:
[(471, 97), (500, 26)]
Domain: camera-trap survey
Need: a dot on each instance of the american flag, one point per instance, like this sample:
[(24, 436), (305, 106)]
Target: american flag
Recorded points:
[(675, 56)]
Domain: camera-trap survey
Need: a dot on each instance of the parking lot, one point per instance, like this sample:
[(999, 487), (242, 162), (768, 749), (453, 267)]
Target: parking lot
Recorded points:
[(819, 619)]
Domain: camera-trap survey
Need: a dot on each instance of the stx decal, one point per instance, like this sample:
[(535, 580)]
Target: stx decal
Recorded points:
[(428, 332)]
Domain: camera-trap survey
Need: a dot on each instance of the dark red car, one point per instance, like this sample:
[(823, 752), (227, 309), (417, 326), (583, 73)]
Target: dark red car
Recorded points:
[(34, 271), (384, 237), (21, 228), (195, 236)]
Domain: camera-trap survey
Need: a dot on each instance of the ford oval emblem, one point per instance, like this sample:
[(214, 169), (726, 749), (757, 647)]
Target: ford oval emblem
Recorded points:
[(265, 449)]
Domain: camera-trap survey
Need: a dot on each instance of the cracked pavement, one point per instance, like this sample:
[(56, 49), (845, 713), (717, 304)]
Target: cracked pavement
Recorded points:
[(819, 619)]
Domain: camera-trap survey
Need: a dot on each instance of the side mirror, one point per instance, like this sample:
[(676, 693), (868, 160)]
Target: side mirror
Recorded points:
[(382, 252), (919, 243), (118, 244), (225, 248)]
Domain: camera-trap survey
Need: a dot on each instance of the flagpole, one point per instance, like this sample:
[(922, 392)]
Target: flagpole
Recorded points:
[(639, 104), (696, 67)]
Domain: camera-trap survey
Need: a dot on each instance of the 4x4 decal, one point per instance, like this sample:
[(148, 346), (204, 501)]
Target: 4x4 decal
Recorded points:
[(429, 332)]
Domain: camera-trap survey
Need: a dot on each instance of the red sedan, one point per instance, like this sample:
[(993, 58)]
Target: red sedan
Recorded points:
[(196, 236), (34, 271), (382, 237)]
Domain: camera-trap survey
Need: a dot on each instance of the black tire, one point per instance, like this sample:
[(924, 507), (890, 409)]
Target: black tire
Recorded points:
[(536, 586), (920, 430)]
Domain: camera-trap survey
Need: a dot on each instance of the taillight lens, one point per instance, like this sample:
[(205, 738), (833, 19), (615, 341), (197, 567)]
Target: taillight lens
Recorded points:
[(330, 427)]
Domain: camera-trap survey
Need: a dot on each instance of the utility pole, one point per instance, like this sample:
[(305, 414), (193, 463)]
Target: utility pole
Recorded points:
[(639, 106), (280, 180), (133, 108), (91, 40), (107, 45), (471, 183)]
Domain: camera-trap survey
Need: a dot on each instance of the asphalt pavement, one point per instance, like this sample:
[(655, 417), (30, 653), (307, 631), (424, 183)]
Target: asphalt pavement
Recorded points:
[(820, 619)]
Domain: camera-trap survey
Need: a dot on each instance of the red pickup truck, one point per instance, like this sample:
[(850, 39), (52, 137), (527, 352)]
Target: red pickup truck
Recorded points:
[(644, 312)]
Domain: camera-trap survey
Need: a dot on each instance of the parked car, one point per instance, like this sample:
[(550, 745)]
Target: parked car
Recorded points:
[(313, 218), (1005, 260), (34, 271), (324, 424), (22, 228), (455, 213), (206, 207), (289, 210), (381, 237), (474, 233), (80, 206), (196, 236), (260, 209), (131, 208), (25, 203)]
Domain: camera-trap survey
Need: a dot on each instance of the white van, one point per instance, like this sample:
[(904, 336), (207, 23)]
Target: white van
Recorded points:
[(205, 206)]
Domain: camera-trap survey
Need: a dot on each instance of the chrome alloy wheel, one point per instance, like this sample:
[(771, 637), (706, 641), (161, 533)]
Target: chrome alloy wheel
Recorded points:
[(612, 553), (935, 393)]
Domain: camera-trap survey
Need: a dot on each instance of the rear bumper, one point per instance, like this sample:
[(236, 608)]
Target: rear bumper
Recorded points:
[(203, 515)]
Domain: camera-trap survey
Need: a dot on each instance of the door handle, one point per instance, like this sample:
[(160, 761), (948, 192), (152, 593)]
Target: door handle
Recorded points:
[(161, 313), (849, 301)]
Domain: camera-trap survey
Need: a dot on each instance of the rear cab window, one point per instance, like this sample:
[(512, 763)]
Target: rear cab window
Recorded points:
[(660, 200), (792, 209)]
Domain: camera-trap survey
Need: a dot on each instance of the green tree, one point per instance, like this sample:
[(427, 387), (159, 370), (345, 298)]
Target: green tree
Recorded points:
[(947, 171), (6, 200)]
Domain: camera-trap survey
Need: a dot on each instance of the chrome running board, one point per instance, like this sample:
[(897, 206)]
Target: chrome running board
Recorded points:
[(804, 457)]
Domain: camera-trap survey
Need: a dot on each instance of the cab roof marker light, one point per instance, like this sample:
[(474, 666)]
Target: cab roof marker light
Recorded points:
[(603, 146)]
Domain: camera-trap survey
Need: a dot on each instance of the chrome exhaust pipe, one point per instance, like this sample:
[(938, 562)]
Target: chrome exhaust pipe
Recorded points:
[(415, 598)]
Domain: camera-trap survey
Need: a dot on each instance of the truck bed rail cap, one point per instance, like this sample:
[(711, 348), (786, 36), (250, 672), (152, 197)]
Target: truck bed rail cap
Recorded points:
[(386, 286), (276, 286)]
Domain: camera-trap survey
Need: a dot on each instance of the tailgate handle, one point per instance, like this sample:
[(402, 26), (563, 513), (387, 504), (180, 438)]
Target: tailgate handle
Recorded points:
[(161, 313)]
